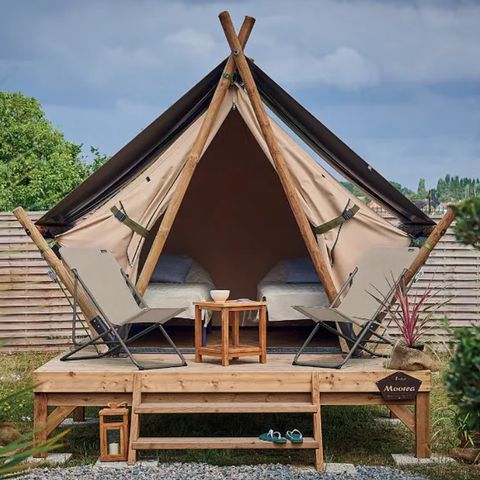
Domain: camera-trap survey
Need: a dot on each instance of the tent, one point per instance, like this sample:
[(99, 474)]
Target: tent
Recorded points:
[(236, 217)]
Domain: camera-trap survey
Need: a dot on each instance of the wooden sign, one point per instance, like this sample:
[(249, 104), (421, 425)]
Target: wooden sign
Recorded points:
[(399, 386)]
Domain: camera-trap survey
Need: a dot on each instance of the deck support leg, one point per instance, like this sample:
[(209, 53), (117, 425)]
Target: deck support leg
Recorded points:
[(135, 418), (40, 414), (317, 423), (422, 425), (79, 414)]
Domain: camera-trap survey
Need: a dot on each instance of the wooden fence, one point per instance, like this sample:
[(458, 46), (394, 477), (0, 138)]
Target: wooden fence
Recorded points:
[(35, 315)]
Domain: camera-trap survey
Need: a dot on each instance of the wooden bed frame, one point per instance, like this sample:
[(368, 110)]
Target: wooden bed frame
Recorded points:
[(244, 387)]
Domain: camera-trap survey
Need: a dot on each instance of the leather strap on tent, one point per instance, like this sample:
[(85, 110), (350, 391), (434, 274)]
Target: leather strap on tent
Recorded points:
[(132, 224), (336, 222)]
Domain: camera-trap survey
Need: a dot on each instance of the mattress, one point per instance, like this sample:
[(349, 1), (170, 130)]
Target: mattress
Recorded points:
[(282, 296), (197, 287)]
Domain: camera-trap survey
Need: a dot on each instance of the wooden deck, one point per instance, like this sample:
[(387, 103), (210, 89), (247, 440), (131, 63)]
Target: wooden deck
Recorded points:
[(246, 386)]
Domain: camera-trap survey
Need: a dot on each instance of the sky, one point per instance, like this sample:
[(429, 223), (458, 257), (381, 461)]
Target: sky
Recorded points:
[(397, 80)]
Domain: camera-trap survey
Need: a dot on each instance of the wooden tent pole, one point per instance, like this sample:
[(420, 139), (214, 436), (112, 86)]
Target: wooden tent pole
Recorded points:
[(191, 163), (280, 164), (56, 265), (432, 240)]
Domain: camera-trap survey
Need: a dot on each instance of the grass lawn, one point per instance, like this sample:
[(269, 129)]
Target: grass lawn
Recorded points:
[(350, 433)]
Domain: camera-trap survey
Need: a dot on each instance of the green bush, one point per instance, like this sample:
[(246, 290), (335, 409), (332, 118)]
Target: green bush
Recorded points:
[(463, 378), (467, 228)]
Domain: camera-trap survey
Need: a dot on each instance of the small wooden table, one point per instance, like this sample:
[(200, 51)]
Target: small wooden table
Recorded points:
[(224, 349)]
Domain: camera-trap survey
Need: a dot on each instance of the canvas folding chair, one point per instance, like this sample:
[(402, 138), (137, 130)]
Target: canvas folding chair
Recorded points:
[(377, 274), (118, 304)]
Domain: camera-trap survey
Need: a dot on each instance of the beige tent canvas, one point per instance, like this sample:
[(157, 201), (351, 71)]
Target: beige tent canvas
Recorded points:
[(235, 220)]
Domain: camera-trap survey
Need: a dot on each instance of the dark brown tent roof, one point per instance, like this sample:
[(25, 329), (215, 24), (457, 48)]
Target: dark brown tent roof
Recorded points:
[(140, 151)]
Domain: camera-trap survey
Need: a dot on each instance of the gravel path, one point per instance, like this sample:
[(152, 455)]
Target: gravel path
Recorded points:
[(203, 471)]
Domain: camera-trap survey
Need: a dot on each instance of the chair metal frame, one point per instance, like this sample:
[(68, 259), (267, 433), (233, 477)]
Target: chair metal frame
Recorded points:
[(357, 342), (116, 341)]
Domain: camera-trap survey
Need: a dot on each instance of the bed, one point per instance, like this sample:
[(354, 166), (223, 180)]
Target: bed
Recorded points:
[(284, 287), (195, 286)]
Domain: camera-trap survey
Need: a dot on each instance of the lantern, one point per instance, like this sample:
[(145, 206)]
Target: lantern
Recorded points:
[(114, 433)]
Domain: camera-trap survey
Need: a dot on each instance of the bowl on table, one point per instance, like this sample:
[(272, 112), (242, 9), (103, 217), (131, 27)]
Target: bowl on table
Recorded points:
[(219, 296)]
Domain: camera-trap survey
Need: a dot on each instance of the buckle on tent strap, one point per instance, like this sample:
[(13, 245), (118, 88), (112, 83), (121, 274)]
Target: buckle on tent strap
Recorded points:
[(228, 77), (337, 221), (132, 224)]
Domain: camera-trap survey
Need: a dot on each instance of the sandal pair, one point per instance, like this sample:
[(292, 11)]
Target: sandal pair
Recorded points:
[(295, 436)]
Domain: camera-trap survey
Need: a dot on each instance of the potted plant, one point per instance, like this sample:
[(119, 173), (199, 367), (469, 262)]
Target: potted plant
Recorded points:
[(463, 383), (411, 314)]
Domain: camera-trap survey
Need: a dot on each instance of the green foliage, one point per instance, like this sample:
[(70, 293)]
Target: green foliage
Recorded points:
[(467, 228), (422, 190), (16, 406), (405, 190), (463, 377), (453, 188), (448, 189), (38, 166)]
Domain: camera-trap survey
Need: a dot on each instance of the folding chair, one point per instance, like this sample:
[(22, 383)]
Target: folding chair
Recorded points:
[(118, 304), (377, 274)]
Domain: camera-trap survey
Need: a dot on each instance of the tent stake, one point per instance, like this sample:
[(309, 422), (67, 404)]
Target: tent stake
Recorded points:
[(280, 164), (432, 240), (56, 265), (191, 163)]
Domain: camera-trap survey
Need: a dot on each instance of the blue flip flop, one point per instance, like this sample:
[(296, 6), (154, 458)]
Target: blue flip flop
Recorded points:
[(271, 436), (295, 436)]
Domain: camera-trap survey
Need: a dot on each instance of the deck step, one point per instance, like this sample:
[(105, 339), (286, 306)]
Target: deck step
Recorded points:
[(198, 443), (226, 407)]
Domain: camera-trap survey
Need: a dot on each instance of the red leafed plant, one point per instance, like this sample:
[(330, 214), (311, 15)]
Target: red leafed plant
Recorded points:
[(410, 312)]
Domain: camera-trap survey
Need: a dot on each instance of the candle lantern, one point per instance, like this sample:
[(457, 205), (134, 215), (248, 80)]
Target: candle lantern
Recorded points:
[(114, 433)]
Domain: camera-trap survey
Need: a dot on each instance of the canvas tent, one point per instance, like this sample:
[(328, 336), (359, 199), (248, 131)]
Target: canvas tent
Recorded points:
[(233, 211), (235, 218)]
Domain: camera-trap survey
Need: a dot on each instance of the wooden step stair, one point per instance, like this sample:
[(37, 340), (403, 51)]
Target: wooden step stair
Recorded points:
[(201, 443), (226, 407), (171, 443)]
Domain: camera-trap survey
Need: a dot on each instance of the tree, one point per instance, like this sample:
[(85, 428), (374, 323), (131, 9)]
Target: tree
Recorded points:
[(421, 190), (38, 166), (467, 228)]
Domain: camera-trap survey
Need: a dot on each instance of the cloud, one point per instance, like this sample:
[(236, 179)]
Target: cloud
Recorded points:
[(343, 68), (192, 41), (381, 74)]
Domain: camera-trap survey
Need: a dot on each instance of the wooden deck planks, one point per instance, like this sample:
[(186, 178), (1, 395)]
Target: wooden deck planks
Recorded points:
[(246, 375)]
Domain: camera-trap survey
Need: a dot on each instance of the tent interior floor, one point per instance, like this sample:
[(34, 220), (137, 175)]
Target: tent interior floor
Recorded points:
[(278, 337)]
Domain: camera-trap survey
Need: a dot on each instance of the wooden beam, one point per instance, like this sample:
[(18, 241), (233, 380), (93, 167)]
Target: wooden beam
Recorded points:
[(280, 164), (404, 415), (57, 417), (422, 425), (191, 163), (135, 418), (432, 240), (317, 422), (40, 413), (79, 414), (56, 265)]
